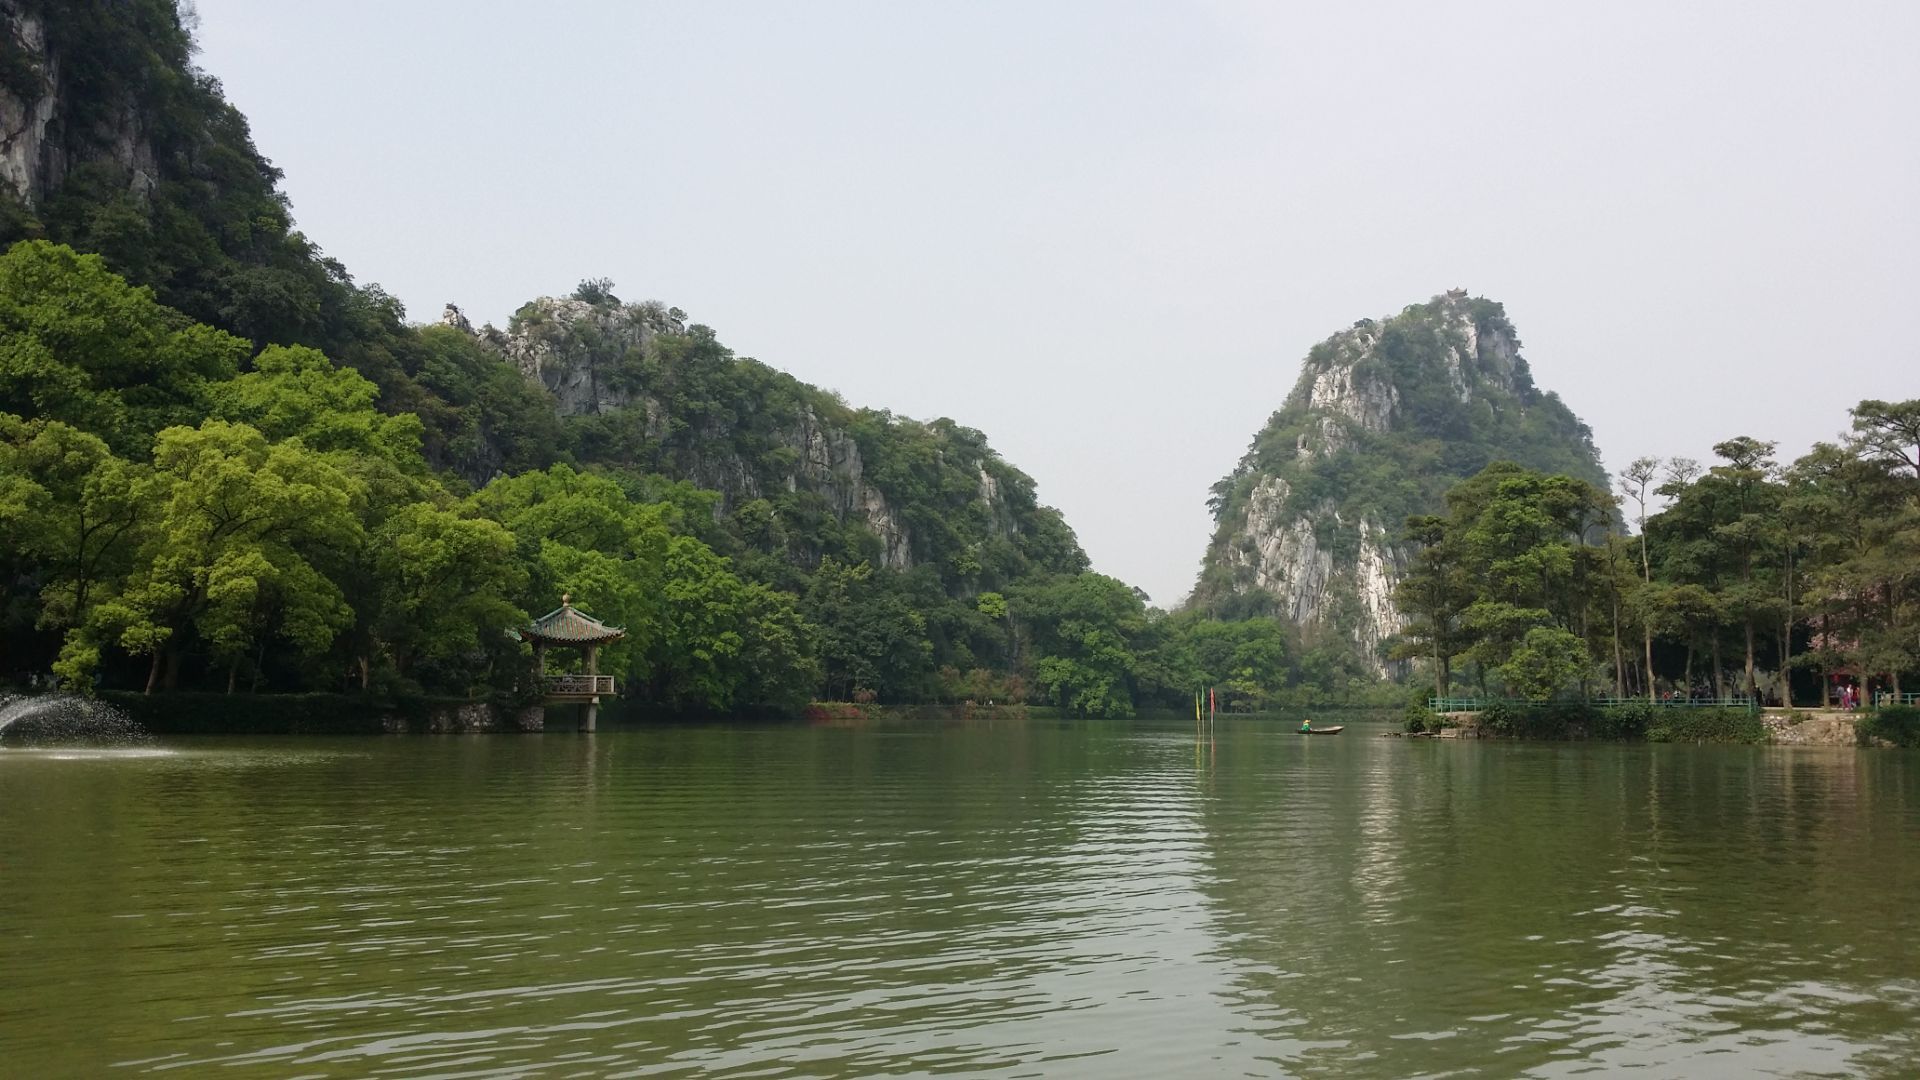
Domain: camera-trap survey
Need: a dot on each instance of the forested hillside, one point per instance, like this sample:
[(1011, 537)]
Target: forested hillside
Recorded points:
[(168, 333)]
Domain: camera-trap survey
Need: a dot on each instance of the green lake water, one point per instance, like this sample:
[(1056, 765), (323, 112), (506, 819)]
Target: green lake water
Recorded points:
[(1022, 898)]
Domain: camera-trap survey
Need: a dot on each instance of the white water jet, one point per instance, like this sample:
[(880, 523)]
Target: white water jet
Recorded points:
[(51, 719)]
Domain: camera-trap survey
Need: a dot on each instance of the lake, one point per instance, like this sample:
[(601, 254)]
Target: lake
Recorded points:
[(1009, 897)]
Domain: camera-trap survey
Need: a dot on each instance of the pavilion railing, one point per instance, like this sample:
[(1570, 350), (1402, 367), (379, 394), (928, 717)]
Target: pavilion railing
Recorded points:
[(580, 686)]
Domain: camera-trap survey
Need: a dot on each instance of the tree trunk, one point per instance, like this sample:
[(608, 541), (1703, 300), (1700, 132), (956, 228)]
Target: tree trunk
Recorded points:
[(1649, 646), (171, 677), (233, 672), (1687, 679), (1786, 640), (1786, 666), (1893, 616), (1753, 687), (153, 672), (366, 671), (1719, 678), (1826, 671), (1619, 658), (1646, 576)]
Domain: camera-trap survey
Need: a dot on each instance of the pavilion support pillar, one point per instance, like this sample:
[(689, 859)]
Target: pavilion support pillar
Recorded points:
[(592, 716)]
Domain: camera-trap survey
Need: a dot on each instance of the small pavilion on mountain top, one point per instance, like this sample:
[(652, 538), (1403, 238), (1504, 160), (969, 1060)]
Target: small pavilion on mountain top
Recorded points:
[(567, 627)]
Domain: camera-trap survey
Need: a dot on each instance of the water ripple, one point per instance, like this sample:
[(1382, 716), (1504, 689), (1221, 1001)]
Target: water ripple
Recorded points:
[(1029, 899)]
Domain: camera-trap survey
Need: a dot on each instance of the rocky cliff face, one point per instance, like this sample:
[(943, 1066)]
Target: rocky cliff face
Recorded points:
[(42, 136), (1384, 417), (726, 424)]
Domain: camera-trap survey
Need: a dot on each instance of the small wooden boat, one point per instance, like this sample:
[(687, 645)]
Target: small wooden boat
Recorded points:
[(1324, 730)]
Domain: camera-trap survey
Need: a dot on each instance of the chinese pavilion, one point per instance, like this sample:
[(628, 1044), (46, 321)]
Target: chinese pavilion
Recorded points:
[(567, 627)]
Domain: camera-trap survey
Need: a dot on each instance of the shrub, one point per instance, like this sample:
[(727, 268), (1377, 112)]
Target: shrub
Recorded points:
[(188, 712), (1707, 726), (1622, 722), (1897, 724), (1500, 718), (1420, 718), (1563, 719), (1566, 719)]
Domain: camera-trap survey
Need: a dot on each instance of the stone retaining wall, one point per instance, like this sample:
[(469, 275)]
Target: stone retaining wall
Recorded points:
[(1812, 729), (467, 717)]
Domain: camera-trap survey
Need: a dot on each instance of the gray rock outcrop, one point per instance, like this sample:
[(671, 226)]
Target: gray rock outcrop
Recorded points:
[(603, 359), (39, 141)]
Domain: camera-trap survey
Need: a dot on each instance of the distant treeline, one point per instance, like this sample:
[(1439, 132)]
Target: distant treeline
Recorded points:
[(1755, 577)]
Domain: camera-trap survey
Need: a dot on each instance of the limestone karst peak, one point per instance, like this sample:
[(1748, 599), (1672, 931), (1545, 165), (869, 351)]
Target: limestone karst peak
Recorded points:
[(1385, 416)]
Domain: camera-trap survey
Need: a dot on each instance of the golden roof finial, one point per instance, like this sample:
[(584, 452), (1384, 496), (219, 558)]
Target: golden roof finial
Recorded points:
[(566, 599)]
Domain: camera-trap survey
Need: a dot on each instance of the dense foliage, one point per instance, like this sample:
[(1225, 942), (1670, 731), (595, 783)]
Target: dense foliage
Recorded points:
[(172, 516), (1753, 578)]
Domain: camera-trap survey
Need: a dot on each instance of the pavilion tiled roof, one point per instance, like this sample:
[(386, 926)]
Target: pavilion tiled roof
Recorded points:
[(567, 625)]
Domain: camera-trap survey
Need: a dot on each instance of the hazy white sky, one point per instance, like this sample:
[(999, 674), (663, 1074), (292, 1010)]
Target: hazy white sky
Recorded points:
[(1106, 233)]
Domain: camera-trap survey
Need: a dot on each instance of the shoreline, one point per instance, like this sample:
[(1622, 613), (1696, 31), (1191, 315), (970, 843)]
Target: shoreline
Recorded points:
[(1765, 727), (333, 714)]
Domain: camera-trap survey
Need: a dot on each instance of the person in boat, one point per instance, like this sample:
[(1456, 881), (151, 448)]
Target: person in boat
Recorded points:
[(1306, 725)]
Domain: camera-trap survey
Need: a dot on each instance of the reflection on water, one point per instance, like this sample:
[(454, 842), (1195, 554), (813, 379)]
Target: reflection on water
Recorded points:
[(1060, 899)]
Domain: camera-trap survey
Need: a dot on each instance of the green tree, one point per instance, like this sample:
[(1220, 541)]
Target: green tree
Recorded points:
[(1547, 661), (1889, 431), (1637, 480), (237, 528), (1081, 635), (1748, 527), (72, 509), (870, 637), (1435, 595), (447, 584), (80, 345), (727, 643), (297, 392)]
